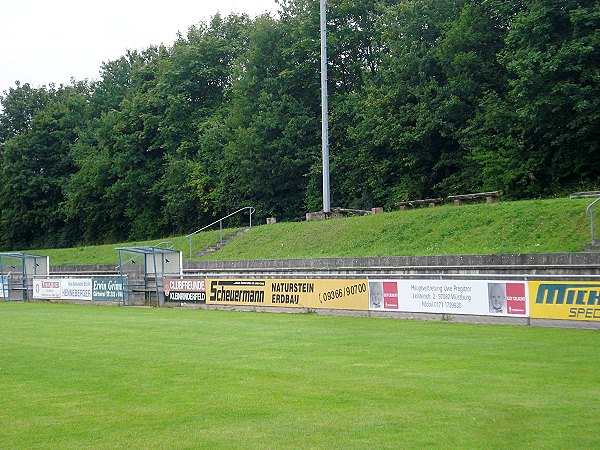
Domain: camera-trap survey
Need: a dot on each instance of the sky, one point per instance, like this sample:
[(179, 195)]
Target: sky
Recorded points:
[(52, 41)]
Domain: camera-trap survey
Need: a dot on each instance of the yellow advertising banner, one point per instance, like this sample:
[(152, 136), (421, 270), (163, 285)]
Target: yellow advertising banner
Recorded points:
[(564, 300), (289, 293)]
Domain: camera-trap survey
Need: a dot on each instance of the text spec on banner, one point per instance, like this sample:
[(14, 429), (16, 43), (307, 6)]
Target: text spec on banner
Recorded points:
[(185, 290), (291, 293), (486, 298), (564, 300)]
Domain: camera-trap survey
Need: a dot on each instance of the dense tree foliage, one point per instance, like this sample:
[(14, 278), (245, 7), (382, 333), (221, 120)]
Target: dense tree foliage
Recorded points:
[(426, 98)]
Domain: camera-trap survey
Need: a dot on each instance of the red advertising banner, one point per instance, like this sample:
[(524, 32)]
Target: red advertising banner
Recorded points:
[(390, 295), (516, 301)]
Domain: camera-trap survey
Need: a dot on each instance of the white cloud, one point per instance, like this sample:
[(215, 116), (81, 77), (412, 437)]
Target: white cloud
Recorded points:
[(44, 42)]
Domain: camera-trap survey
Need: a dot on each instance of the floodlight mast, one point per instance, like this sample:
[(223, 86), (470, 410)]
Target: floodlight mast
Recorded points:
[(324, 111)]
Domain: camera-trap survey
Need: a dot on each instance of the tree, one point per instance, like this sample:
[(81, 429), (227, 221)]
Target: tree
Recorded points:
[(274, 121), (35, 167), (406, 128), (552, 53), (195, 82), (19, 104), (119, 161), (539, 136)]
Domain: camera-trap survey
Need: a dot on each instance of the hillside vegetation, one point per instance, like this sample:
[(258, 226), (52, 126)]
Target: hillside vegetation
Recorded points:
[(427, 98), (532, 226)]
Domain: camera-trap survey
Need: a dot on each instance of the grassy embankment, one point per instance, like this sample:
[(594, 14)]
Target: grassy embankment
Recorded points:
[(534, 226), (96, 377)]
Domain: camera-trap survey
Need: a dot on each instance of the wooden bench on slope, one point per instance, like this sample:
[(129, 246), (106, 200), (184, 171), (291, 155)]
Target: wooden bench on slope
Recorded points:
[(431, 202), (490, 197), (587, 194)]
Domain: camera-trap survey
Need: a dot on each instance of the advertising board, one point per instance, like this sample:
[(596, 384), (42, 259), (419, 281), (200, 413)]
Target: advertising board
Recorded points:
[(46, 289), (476, 297), (3, 287), (564, 300), (185, 290), (76, 289), (107, 289), (351, 294)]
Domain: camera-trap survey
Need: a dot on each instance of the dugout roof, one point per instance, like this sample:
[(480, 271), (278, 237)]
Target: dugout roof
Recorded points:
[(151, 260), (26, 264)]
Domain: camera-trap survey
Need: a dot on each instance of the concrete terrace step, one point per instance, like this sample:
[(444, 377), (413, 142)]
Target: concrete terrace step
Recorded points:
[(594, 246), (219, 245)]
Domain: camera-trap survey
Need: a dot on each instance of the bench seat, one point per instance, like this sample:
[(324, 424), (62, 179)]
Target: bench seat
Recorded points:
[(491, 197), (431, 202)]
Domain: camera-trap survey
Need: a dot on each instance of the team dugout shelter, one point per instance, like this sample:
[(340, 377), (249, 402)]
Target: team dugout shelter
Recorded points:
[(142, 270), (17, 271)]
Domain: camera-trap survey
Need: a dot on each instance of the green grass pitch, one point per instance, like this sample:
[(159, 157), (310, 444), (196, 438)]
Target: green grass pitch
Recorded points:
[(108, 377)]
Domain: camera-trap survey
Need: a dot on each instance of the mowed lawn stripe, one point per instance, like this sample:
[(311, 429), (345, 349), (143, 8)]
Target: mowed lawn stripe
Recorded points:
[(106, 377)]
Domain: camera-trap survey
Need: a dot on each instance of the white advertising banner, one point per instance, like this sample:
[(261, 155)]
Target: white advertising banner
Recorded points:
[(46, 289), (76, 289), (476, 297), (3, 287)]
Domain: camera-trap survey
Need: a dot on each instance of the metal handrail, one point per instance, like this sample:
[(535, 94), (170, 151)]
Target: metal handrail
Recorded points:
[(220, 222), (590, 211)]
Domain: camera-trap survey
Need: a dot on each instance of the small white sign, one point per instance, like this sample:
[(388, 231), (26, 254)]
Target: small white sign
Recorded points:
[(76, 289), (46, 289)]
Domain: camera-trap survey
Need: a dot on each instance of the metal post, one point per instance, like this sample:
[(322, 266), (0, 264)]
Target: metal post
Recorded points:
[(25, 278), (324, 110), (592, 222), (590, 210), (4, 294), (155, 280), (123, 293), (180, 264)]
